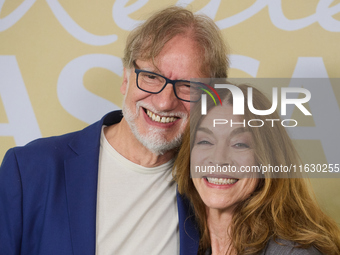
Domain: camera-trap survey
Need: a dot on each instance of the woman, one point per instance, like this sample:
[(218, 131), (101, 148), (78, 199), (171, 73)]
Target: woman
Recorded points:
[(241, 215)]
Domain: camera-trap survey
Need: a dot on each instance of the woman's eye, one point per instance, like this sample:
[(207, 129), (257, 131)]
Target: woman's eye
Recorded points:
[(241, 145), (204, 142)]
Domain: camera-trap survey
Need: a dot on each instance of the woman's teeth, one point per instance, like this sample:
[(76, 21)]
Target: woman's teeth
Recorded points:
[(160, 119), (221, 181)]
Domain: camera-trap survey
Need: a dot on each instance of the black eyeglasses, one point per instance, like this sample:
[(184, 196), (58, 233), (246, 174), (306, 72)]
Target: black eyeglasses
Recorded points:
[(154, 83)]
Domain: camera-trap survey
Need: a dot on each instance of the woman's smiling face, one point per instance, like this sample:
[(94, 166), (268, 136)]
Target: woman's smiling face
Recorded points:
[(223, 145)]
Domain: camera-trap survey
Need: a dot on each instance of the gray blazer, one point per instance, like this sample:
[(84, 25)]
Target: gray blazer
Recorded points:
[(273, 248)]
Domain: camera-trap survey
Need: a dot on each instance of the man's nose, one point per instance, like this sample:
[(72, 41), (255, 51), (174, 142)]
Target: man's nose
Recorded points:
[(166, 100)]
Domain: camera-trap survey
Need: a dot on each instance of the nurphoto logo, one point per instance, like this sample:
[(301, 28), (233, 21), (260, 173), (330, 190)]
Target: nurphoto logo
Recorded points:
[(238, 104)]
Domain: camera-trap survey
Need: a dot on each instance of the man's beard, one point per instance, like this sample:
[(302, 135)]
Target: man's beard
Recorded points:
[(154, 139)]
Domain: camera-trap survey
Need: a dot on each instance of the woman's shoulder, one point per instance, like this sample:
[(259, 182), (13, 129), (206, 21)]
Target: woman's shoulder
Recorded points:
[(284, 247)]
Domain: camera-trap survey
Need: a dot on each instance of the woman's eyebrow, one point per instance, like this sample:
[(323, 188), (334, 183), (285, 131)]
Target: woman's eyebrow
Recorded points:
[(235, 132), (205, 130), (238, 130)]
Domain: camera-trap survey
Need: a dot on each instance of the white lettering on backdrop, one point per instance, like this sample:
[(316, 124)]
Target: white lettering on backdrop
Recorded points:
[(244, 63), (75, 30), (22, 123), (120, 13), (324, 106), (16, 15), (323, 14), (75, 98)]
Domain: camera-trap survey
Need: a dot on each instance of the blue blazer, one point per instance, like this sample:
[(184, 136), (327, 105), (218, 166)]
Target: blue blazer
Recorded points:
[(48, 196)]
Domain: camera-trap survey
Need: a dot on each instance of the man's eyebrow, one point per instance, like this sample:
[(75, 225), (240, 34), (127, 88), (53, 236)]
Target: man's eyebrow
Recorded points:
[(153, 69)]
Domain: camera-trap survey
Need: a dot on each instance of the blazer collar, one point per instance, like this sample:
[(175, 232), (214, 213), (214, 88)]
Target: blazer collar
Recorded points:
[(88, 139)]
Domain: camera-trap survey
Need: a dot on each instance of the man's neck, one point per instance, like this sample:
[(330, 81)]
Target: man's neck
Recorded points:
[(125, 143)]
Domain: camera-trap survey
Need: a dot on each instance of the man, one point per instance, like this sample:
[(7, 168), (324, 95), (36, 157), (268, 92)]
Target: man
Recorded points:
[(107, 189)]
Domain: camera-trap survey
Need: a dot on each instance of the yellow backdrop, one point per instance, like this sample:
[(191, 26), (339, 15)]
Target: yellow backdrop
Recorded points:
[(61, 69)]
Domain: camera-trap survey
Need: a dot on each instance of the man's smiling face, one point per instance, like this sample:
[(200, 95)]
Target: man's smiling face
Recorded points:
[(158, 120)]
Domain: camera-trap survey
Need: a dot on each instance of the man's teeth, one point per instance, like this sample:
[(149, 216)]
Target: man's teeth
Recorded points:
[(160, 119), (221, 181)]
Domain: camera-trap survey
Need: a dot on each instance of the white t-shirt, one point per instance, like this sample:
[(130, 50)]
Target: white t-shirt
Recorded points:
[(136, 207)]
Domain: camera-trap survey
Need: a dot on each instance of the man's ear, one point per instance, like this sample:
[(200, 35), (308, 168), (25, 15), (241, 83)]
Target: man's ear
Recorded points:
[(124, 86)]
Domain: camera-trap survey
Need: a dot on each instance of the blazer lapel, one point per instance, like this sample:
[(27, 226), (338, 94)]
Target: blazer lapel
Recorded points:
[(81, 177), (188, 230), (81, 188)]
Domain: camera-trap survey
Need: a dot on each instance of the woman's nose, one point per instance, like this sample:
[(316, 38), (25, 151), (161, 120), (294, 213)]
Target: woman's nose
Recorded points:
[(221, 156)]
